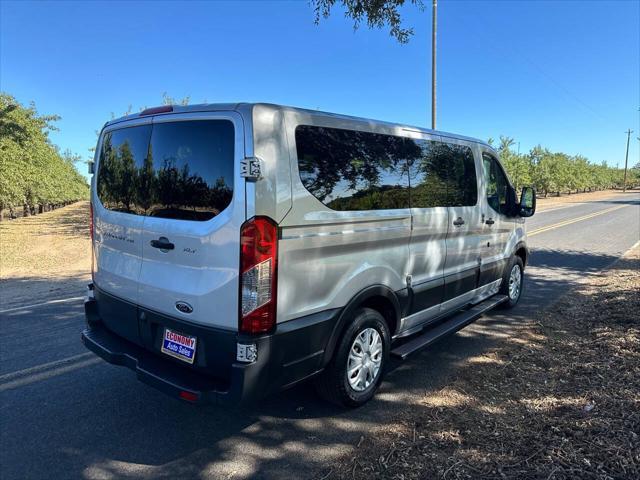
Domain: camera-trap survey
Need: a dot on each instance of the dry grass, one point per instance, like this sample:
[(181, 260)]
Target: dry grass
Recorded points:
[(564, 404), (43, 254), (51, 243), (552, 202)]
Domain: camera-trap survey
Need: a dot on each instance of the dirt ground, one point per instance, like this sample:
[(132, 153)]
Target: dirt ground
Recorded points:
[(560, 401), (551, 201), (45, 255)]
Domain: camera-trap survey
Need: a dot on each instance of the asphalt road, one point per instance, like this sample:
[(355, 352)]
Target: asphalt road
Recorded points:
[(67, 414)]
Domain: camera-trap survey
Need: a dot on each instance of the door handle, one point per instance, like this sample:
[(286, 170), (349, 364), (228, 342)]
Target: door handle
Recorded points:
[(458, 222), (162, 243), (490, 221)]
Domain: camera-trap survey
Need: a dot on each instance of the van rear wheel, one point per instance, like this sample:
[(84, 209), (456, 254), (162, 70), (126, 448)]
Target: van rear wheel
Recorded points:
[(355, 372)]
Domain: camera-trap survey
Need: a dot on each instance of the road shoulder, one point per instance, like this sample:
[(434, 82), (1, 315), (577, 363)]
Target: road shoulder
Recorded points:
[(559, 400)]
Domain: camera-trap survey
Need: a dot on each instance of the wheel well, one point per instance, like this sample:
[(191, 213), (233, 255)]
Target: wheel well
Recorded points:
[(384, 306), (522, 253)]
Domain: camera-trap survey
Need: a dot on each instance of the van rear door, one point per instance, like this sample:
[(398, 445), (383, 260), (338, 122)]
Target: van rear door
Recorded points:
[(117, 227), (196, 205)]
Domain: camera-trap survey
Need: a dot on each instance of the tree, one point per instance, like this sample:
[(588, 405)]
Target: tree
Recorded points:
[(34, 175), (377, 14)]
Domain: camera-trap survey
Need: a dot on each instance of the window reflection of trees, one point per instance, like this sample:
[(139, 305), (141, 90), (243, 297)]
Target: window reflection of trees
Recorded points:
[(354, 170), (169, 192)]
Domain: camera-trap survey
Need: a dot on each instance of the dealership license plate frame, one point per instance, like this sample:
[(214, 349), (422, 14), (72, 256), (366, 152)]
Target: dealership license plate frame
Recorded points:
[(178, 345)]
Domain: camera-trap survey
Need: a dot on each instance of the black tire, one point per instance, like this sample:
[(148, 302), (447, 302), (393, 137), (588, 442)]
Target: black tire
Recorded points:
[(514, 262), (333, 384)]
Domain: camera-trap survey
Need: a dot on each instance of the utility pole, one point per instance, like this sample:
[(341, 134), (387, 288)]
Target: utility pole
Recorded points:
[(517, 167), (434, 27), (626, 158)]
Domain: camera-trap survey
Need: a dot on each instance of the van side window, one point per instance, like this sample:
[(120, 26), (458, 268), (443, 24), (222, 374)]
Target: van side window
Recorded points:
[(429, 176), (496, 183), (464, 183), (354, 170), (444, 176)]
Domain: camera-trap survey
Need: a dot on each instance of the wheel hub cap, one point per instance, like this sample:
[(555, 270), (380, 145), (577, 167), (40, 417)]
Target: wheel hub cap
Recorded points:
[(365, 358), (515, 282)]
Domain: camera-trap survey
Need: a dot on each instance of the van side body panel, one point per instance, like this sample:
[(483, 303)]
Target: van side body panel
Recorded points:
[(327, 257), (273, 190)]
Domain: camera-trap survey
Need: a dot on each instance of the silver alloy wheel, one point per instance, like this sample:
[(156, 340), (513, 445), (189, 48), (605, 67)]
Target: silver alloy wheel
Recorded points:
[(515, 282), (365, 359)]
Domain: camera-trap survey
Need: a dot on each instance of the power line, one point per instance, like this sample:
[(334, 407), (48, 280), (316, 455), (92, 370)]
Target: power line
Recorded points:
[(512, 52)]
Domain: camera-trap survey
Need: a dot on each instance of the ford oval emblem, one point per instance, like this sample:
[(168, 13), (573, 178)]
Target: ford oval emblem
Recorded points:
[(184, 307)]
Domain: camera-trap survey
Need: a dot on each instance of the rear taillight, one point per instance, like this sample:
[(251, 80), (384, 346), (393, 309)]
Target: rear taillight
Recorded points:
[(258, 275)]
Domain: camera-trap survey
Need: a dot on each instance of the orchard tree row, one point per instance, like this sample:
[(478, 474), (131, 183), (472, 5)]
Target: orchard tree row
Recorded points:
[(34, 175), (555, 173)]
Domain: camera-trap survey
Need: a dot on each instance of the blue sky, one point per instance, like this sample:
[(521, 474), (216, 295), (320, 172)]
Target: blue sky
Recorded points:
[(562, 74)]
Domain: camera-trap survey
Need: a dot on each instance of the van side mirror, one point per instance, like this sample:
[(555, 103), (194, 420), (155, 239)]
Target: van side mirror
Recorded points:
[(527, 202), (90, 167)]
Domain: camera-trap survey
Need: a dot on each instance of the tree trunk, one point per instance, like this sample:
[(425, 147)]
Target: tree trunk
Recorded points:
[(1, 214), (41, 208), (25, 210)]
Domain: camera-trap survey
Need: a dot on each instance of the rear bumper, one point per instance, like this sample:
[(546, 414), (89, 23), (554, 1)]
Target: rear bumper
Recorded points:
[(291, 354), (172, 379)]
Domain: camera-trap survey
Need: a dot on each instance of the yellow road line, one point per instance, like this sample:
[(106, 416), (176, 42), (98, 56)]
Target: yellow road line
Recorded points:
[(573, 220)]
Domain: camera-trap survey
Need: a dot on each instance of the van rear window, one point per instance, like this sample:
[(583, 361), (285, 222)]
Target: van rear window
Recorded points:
[(180, 170)]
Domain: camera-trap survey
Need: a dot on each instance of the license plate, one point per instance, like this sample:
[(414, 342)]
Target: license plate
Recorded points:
[(179, 345)]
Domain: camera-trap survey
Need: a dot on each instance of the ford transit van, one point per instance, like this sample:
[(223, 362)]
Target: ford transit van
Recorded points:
[(239, 249)]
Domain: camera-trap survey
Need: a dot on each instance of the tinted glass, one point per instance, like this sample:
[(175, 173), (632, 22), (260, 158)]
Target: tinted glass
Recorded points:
[(352, 170), (180, 170), (122, 156), (464, 183), (496, 184), (429, 176), (443, 176)]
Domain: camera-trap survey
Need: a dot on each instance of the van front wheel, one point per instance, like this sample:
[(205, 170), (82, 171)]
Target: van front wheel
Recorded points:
[(512, 282), (354, 373)]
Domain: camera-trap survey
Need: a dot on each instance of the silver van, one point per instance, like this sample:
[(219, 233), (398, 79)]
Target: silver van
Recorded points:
[(239, 249)]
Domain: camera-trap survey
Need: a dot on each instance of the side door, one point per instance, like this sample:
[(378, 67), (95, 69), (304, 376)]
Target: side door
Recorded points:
[(497, 226), (430, 222), (194, 208), (464, 233)]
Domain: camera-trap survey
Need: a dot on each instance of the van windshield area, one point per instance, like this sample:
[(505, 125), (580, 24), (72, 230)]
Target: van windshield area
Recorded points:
[(181, 170)]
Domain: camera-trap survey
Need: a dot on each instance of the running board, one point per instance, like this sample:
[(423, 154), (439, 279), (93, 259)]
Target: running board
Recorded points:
[(449, 326)]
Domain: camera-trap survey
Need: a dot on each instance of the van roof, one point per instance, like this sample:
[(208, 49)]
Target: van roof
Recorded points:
[(211, 107)]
